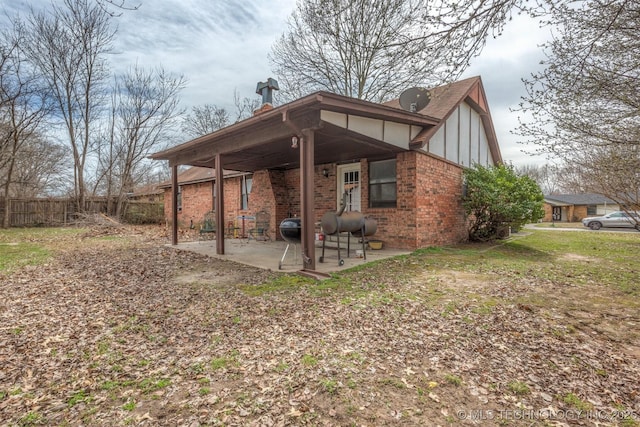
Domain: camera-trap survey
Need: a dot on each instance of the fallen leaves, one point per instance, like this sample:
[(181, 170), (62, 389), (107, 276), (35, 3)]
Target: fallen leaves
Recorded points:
[(128, 331)]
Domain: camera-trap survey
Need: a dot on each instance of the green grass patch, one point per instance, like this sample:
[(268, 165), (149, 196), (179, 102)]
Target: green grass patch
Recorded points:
[(329, 385), (519, 388), (220, 363), (628, 422), (282, 283), (282, 367), (18, 255), (453, 379), (80, 396), (576, 402), (449, 308), (565, 258), (129, 406), (309, 360), (31, 419), (149, 385), (485, 305), (109, 385), (393, 382), (20, 247), (41, 235)]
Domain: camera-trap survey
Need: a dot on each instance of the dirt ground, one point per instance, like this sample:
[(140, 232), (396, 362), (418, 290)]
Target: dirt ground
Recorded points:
[(117, 329)]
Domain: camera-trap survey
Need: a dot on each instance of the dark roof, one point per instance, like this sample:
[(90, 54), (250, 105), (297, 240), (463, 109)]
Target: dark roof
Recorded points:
[(578, 199), (197, 174), (444, 101), (264, 141), (147, 190)]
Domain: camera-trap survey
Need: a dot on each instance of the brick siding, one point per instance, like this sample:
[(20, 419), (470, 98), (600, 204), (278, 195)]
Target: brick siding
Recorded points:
[(428, 212)]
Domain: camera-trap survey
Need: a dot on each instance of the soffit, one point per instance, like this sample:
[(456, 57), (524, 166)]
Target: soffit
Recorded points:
[(264, 141)]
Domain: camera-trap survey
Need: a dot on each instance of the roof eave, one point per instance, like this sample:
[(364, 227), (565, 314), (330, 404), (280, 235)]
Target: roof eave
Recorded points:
[(316, 101)]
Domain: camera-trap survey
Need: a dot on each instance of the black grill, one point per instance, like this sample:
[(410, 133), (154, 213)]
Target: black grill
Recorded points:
[(290, 230)]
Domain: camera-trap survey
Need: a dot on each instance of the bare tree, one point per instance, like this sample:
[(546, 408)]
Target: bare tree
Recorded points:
[(119, 5), (547, 176), (245, 107), (205, 119), (68, 46), (146, 109), (41, 170), (209, 118), (373, 49), (584, 106), (22, 109), (611, 170)]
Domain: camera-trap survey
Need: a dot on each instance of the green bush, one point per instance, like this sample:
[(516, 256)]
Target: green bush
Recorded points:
[(497, 198)]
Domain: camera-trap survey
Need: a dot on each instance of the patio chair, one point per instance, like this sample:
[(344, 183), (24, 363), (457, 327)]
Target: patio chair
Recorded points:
[(261, 229), (208, 226)]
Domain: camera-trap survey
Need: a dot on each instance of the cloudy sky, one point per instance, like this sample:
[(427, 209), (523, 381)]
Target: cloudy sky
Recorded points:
[(222, 45)]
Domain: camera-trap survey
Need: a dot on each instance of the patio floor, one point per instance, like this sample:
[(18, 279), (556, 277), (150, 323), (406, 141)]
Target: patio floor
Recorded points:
[(268, 255)]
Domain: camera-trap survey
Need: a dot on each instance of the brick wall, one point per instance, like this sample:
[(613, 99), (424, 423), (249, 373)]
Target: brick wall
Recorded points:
[(548, 212), (570, 213), (197, 199), (429, 204), (578, 213), (429, 208), (440, 215)]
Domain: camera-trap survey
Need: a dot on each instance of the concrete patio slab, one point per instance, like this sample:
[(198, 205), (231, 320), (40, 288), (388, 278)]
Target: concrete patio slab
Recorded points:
[(268, 255)]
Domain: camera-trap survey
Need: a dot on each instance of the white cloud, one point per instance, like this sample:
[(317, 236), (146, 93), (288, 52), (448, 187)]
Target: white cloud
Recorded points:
[(222, 45), (503, 64), (219, 46)]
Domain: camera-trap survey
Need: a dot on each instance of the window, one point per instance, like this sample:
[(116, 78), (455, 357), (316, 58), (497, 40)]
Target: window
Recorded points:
[(245, 183), (382, 184), (592, 210), (179, 198)]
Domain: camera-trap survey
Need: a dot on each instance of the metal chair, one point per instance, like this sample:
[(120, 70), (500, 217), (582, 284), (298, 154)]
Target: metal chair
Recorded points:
[(208, 227), (261, 229)]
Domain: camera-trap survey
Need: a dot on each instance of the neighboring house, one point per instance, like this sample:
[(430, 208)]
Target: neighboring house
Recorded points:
[(402, 168), (574, 207), (151, 193)]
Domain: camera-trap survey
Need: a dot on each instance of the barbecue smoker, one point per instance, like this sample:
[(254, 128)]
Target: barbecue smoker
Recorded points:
[(354, 223), (291, 232)]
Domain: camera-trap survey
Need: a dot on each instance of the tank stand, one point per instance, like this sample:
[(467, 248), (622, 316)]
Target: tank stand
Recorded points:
[(340, 259), (295, 254)]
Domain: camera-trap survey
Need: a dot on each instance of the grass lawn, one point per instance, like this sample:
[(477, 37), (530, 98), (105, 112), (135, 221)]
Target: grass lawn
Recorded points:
[(113, 328)]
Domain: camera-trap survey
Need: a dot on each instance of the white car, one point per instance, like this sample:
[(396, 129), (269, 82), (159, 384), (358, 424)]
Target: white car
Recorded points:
[(613, 219)]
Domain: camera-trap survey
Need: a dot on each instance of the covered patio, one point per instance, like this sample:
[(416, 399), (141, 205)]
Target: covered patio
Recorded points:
[(318, 129)]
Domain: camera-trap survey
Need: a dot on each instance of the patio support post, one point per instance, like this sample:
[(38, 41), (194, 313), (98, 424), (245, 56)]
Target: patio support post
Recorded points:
[(219, 183), (307, 201), (174, 205)]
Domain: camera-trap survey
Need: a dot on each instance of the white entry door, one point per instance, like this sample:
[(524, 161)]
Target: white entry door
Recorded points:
[(349, 182)]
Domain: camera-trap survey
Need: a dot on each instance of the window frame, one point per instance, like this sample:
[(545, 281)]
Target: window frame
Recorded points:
[(244, 196), (381, 183)]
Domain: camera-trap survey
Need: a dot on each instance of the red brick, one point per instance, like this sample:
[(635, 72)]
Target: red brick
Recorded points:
[(429, 200)]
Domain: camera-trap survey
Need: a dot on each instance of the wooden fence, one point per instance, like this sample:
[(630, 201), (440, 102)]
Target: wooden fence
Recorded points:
[(63, 211)]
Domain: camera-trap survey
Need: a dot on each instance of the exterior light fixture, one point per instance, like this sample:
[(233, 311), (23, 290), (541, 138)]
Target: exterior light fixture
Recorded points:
[(294, 142), (325, 172)]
